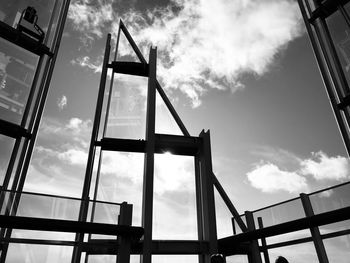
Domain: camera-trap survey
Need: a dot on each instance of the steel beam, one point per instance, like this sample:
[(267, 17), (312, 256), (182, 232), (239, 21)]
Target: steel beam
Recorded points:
[(315, 232), (148, 174)]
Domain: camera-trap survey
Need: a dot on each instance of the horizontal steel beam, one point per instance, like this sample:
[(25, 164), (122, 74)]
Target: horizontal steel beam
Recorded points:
[(175, 144), (58, 225), (226, 245), (16, 37), (130, 68), (13, 130)]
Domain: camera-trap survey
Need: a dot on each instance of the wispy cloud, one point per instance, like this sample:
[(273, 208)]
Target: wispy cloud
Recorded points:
[(199, 51), (62, 102)]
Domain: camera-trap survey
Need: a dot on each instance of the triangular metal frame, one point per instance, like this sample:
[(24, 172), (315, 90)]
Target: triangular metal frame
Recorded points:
[(198, 147)]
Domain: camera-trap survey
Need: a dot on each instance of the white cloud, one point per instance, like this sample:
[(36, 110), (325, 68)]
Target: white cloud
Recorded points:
[(322, 167), (62, 102), (74, 156), (270, 179), (199, 51)]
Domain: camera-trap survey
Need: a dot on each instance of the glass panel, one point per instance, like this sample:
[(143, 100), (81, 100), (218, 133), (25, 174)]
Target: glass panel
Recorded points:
[(174, 212), (105, 213), (46, 206), (237, 228), (42, 235), (174, 258), (339, 226), (5, 154), (11, 10), (38, 253), (17, 69), (102, 259), (338, 249), (340, 36), (298, 253), (165, 123), (331, 199), (127, 113), (288, 237), (237, 259), (121, 180), (223, 217), (282, 213)]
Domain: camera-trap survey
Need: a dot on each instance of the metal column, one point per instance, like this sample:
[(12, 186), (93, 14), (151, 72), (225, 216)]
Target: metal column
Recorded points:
[(148, 174), (315, 232), (254, 255)]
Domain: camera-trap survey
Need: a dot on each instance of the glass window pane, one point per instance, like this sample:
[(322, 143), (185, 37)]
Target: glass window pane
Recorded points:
[(127, 112), (39, 253), (17, 69), (338, 249), (298, 253), (174, 210), (5, 154), (174, 258)]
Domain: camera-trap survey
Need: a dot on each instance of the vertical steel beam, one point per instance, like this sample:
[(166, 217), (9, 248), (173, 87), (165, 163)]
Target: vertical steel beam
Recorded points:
[(315, 232), (124, 242), (207, 195), (254, 255), (199, 205), (263, 242), (148, 174)]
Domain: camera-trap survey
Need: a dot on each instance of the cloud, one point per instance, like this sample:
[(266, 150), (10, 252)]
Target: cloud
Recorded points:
[(294, 177), (199, 51), (62, 102), (322, 167), (270, 179)]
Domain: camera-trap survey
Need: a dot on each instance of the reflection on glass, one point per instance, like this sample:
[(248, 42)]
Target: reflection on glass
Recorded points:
[(340, 36), (17, 69), (282, 213), (102, 259), (127, 113), (106, 213), (174, 210), (11, 10), (121, 180), (339, 226), (39, 253), (5, 154)]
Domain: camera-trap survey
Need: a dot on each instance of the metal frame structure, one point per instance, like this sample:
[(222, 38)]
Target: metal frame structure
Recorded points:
[(315, 14), (198, 147), (25, 133), (139, 240)]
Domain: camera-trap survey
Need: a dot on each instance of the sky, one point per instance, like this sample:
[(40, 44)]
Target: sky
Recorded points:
[(243, 69)]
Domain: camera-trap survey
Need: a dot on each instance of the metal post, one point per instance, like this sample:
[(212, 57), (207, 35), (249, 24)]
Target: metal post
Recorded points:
[(207, 195), (124, 242), (263, 242), (148, 174), (199, 205), (315, 232), (254, 255)]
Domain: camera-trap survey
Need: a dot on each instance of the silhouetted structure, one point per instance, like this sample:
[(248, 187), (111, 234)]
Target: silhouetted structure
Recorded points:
[(27, 59)]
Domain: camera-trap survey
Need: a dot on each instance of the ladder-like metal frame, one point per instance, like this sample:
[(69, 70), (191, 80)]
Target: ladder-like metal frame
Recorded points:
[(198, 147)]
